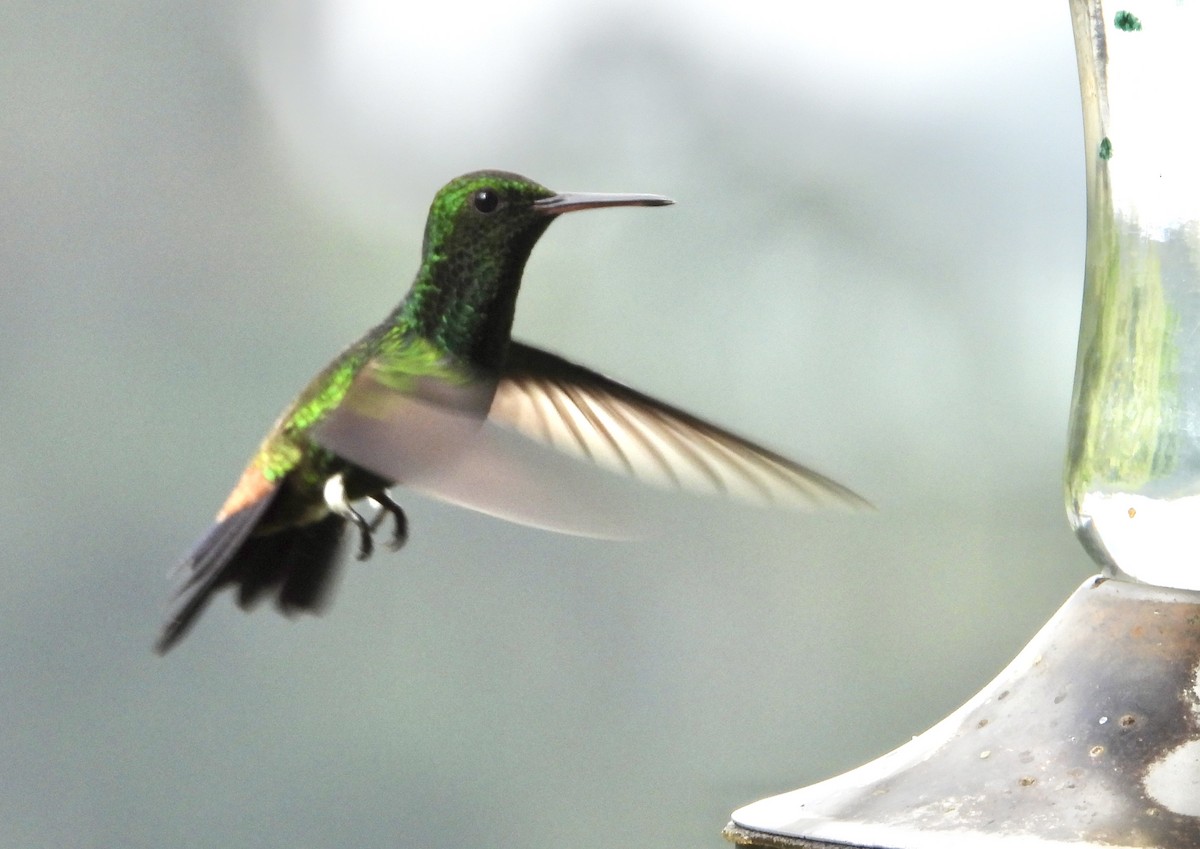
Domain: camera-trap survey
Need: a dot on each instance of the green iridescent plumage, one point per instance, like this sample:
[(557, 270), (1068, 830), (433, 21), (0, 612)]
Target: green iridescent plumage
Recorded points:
[(466, 290), (456, 318)]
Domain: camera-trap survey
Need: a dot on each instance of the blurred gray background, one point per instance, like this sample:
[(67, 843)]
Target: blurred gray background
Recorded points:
[(874, 266)]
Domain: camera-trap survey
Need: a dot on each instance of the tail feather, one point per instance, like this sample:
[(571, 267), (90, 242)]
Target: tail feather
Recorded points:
[(297, 563)]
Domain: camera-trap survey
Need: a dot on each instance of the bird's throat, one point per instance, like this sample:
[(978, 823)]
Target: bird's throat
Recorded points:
[(468, 316)]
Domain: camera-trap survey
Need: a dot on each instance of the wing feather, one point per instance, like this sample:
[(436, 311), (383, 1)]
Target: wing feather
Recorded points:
[(580, 412)]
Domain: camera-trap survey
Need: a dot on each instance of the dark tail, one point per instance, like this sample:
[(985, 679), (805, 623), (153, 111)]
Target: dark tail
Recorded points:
[(296, 564)]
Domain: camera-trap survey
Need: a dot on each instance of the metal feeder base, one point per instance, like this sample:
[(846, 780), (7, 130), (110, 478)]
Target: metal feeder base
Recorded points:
[(1090, 737)]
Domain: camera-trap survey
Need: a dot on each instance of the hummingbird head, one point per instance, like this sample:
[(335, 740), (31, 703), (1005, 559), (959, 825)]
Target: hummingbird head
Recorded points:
[(497, 216), (481, 229), (484, 218)]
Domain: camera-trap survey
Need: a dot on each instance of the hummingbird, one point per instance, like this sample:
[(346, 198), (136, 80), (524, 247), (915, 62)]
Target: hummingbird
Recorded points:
[(435, 398)]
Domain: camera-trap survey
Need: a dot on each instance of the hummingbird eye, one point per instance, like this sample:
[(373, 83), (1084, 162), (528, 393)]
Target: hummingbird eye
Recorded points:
[(486, 200)]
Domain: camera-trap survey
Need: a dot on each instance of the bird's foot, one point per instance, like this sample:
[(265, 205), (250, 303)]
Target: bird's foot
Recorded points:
[(388, 506), (335, 498)]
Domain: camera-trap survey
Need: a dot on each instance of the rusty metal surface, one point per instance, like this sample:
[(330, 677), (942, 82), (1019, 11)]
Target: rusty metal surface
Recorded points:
[(744, 837)]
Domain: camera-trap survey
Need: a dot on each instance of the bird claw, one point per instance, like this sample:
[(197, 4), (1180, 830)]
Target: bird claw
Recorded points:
[(387, 506), (335, 498), (366, 545)]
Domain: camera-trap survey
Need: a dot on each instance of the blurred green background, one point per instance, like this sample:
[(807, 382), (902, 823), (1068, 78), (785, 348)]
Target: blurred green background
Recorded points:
[(874, 266)]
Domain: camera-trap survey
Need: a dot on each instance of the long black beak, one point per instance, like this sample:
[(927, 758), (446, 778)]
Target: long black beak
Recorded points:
[(571, 201)]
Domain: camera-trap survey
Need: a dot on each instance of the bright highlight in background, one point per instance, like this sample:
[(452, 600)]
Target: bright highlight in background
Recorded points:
[(356, 85)]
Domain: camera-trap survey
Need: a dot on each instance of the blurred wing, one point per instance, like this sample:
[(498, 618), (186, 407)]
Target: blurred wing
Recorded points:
[(430, 434), (406, 426), (580, 412), (504, 475)]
